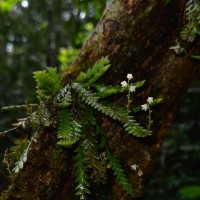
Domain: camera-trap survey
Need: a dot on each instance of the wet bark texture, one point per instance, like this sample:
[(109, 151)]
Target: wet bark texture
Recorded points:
[(136, 36)]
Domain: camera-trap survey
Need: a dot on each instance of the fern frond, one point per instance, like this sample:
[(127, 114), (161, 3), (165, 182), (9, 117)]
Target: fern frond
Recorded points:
[(24, 156), (45, 118), (81, 177), (69, 129), (192, 28), (16, 151), (117, 108), (21, 123), (91, 99), (87, 96), (133, 128), (87, 116), (48, 82), (120, 175), (64, 98), (65, 122), (93, 160), (94, 73)]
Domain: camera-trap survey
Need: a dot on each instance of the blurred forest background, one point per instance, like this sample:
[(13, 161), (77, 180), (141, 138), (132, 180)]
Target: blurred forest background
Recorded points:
[(36, 34)]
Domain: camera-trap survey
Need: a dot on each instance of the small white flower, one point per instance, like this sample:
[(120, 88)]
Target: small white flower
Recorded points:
[(140, 173), (144, 107), (134, 167), (129, 76), (132, 88), (178, 48), (124, 84), (150, 100)]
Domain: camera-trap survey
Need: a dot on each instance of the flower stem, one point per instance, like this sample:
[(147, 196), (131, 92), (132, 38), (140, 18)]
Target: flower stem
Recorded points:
[(128, 102), (149, 117)]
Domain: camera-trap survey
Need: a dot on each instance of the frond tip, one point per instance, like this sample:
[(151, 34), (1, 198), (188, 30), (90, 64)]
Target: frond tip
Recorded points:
[(81, 177), (133, 128), (94, 73), (192, 28), (48, 82), (121, 175)]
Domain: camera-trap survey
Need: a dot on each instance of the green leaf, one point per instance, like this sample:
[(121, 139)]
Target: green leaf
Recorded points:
[(48, 83), (81, 177), (155, 102), (133, 128), (192, 28), (7, 5), (120, 175), (69, 130), (195, 57), (190, 192), (64, 98), (91, 99), (94, 73), (104, 91)]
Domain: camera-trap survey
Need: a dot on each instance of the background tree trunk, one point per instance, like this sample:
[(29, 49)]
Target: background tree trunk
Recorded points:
[(136, 36)]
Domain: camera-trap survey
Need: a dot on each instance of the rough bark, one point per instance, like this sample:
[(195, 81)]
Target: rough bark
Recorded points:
[(136, 36)]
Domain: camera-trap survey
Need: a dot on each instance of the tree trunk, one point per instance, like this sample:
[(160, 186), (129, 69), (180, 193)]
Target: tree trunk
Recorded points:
[(136, 36)]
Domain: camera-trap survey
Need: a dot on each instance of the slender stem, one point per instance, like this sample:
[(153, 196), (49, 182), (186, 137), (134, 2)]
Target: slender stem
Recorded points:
[(149, 117), (128, 103), (24, 106)]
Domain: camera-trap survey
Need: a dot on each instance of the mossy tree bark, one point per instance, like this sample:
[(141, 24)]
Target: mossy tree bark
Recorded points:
[(136, 36)]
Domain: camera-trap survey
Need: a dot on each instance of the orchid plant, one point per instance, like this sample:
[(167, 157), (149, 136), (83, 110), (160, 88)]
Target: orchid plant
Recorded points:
[(146, 107)]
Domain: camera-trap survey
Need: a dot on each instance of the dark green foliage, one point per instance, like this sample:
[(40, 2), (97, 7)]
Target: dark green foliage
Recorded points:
[(132, 127), (104, 91), (48, 83), (95, 160), (91, 99), (120, 174), (7, 5), (76, 107), (15, 107), (65, 99), (69, 130), (81, 176), (94, 73), (78, 126), (17, 150), (192, 28), (190, 192)]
